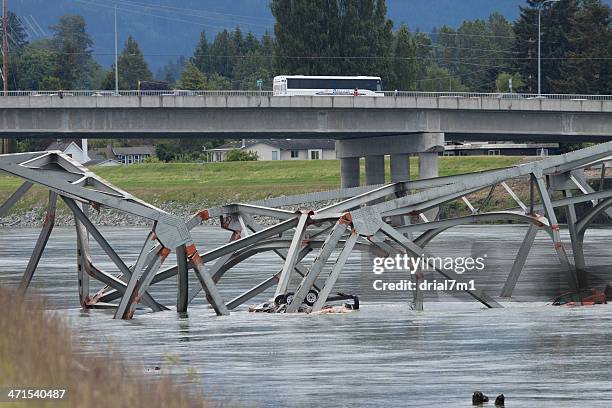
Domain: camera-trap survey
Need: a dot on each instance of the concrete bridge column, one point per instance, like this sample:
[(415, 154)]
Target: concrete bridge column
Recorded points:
[(375, 169), (399, 147), (428, 168), (400, 167), (428, 165), (349, 172)]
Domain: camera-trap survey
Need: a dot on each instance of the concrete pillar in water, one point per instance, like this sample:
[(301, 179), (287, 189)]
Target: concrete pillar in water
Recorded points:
[(349, 172), (400, 167), (375, 169)]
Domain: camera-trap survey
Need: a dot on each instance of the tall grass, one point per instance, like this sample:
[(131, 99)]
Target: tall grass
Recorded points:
[(36, 351)]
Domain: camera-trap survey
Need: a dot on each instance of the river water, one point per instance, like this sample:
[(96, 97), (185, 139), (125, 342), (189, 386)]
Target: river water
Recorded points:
[(383, 355)]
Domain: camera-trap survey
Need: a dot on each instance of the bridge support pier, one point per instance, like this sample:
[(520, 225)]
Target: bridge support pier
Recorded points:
[(375, 169), (428, 165), (400, 167), (349, 172), (374, 149), (428, 168)]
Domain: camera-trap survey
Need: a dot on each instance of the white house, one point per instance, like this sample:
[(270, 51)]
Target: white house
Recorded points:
[(78, 151), (279, 149)]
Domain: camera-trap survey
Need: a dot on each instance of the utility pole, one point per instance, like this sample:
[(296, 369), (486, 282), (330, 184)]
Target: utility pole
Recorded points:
[(540, 43), (6, 143), (5, 50), (116, 57)]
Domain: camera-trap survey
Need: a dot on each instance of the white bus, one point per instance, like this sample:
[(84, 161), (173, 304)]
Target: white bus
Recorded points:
[(290, 85)]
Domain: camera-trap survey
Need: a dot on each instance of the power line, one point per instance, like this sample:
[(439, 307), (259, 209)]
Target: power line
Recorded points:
[(190, 12), (203, 13), (150, 14), (433, 46), (461, 75), (337, 57), (438, 33), (91, 3), (436, 45), (197, 12)]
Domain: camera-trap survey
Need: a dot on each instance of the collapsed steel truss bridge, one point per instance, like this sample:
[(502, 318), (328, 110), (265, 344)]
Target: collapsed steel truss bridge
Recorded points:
[(391, 219)]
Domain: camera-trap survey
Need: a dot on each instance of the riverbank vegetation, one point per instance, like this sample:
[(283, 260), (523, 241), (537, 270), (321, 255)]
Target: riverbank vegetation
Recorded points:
[(37, 352)]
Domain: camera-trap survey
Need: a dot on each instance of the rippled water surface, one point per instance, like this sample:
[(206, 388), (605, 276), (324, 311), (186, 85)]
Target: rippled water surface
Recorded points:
[(383, 355)]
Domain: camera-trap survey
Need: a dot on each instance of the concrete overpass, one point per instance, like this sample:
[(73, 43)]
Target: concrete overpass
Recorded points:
[(400, 124)]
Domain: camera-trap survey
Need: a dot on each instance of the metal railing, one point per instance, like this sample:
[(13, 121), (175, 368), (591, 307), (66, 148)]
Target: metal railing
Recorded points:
[(395, 94), (497, 95)]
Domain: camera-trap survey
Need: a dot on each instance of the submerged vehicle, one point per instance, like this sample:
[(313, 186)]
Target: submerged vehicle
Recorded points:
[(279, 304), (584, 297)]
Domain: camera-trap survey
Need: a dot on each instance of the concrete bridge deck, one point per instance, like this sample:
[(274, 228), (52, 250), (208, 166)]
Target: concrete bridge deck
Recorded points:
[(241, 114)]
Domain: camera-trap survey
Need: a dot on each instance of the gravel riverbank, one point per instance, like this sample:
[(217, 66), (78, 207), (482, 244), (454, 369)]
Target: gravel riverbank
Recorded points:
[(112, 218)]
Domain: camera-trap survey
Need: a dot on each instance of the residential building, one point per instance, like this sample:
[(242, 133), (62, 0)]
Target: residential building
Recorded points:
[(279, 149), (133, 154), (76, 149), (112, 156)]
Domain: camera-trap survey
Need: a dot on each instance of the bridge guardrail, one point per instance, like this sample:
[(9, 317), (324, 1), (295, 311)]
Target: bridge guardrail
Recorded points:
[(395, 94)]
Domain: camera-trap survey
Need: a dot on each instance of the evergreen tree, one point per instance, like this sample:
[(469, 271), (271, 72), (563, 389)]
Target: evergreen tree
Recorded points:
[(238, 40), (502, 83), (313, 35), (219, 82), (424, 51), (201, 57), (477, 51), (18, 40), (72, 44), (233, 60), (18, 37), (251, 43), (255, 64), (556, 25), (586, 66), (404, 61), (50, 83), (192, 78), (36, 63), (172, 71), (132, 68), (438, 79), (221, 50)]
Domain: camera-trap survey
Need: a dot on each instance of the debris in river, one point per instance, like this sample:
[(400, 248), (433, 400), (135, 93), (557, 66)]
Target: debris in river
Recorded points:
[(584, 297), (279, 305), (479, 398)]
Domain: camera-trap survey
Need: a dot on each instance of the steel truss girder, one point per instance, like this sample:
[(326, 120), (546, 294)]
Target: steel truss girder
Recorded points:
[(77, 185), (519, 262), (416, 250), (107, 248), (16, 196), (568, 268), (326, 250)]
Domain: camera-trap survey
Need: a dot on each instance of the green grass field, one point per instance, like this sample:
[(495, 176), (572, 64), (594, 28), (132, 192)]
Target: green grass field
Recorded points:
[(218, 183)]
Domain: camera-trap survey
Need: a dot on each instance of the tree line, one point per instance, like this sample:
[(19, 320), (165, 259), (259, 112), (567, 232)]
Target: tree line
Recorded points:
[(346, 37)]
